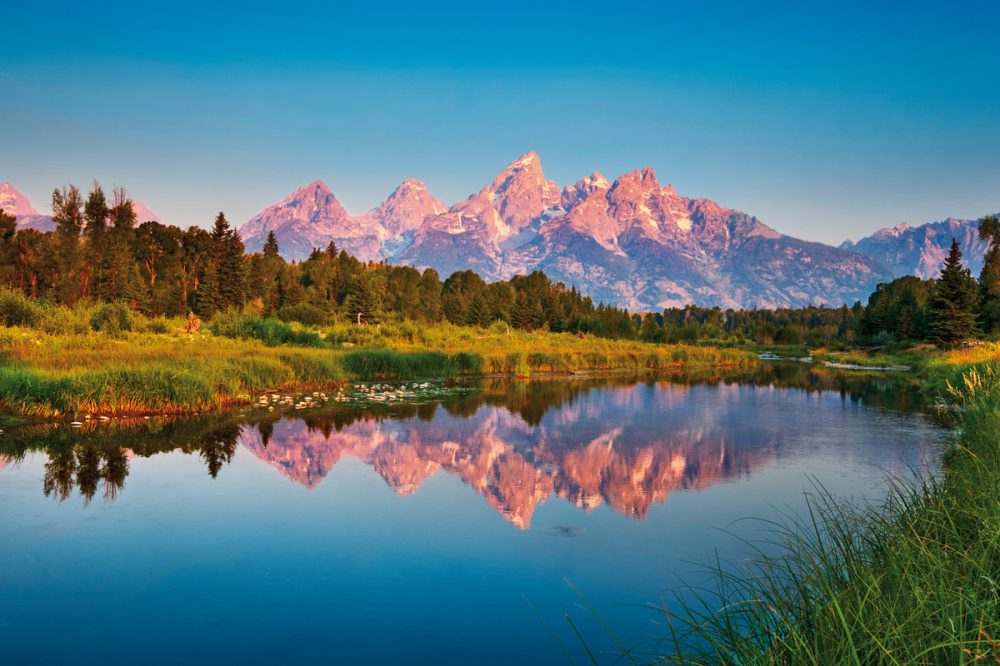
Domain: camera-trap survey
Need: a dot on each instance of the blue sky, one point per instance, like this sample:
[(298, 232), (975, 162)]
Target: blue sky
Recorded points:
[(826, 121)]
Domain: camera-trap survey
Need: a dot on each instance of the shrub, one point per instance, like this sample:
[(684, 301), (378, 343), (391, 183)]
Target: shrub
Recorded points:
[(112, 318), (247, 326), (304, 313), (16, 309)]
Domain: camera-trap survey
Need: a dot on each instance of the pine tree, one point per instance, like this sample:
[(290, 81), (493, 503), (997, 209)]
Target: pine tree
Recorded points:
[(651, 330), (989, 277), (429, 306), (67, 214), (953, 301), (119, 248), (8, 249), (95, 213), (363, 303), (224, 278), (270, 249)]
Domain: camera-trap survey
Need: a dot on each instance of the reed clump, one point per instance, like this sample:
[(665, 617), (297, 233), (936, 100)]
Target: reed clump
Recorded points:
[(915, 580)]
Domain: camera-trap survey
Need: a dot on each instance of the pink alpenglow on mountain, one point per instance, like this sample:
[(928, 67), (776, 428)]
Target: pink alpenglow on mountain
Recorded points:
[(143, 213), (312, 217), (14, 203), (405, 209), (631, 242)]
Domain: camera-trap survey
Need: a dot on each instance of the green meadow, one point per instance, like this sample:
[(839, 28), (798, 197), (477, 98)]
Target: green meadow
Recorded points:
[(107, 359)]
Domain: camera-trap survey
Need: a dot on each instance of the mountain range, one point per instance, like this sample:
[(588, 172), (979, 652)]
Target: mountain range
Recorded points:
[(632, 242), (14, 203)]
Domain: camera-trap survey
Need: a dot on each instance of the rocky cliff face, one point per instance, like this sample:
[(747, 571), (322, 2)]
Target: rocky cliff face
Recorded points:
[(632, 242), (921, 251)]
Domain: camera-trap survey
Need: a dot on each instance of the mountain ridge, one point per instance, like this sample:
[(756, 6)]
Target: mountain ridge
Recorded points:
[(629, 241)]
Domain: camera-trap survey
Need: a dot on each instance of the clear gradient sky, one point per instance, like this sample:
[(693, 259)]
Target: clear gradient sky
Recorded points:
[(827, 121)]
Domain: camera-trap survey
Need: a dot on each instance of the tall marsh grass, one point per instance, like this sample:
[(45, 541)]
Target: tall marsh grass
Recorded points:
[(915, 580)]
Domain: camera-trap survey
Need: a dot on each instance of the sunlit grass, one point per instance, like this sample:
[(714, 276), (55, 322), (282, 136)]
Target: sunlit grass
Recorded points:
[(107, 359), (915, 580)]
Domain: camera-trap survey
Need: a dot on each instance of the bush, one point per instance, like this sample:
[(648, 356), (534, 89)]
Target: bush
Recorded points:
[(16, 309), (247, 326), (112, 318), (304, 313), (158, 325)]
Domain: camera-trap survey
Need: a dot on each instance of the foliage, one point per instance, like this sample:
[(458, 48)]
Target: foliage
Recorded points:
[(246, 326), (953, 301), (913, 580)]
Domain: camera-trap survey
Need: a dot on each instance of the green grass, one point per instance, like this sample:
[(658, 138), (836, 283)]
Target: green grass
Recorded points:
[(105, 359), (915, 580)]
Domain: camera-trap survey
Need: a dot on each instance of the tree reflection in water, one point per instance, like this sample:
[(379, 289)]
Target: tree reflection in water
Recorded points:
[(496, 439)]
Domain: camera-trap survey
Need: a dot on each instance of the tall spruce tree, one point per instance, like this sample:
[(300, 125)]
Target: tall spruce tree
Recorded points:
[(989, 277), (224, 281), (95, 213), (953, 301), (67, 260), (364, 298), (8, 249), (270, 249), (118, 276)]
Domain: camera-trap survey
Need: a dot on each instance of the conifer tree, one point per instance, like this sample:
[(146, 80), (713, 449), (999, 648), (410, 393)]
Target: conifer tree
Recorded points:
[(68, 216), (8, 249), (270, 249), (119, 259), (224, 281), (989, 277), (953, 301), (95, 213), (429, 291), (363, 302)]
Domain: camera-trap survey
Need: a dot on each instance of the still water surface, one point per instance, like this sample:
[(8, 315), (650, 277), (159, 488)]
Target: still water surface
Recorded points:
[(460, 530)]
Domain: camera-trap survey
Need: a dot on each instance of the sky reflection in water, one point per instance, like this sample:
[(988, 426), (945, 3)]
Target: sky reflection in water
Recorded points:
[(418, 533)]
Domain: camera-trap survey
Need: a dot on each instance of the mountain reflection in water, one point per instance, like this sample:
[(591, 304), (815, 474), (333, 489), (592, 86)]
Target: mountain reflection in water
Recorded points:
[(589, 441)]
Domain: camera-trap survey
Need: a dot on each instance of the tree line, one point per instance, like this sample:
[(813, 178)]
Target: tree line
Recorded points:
[(945, 310), (98, 253)]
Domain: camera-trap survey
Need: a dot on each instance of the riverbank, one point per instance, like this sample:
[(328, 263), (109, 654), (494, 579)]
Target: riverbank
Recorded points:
[(168, 371), (916, 580)]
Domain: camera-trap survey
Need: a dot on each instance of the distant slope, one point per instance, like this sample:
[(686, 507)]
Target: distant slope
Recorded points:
[(920, 251)]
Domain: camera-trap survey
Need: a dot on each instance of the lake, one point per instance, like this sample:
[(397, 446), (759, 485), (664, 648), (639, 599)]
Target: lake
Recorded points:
[(460, 525)]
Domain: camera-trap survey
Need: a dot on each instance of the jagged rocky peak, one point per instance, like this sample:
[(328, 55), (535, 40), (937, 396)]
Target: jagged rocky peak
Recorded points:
[(894, 231), (521, 193), (405, 209), (14, 203), (637, 199), (312, 198), (584, 188)]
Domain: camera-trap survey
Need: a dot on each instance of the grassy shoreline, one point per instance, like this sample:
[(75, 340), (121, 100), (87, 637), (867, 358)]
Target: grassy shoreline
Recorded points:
[(45, 374), (914, 580)]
